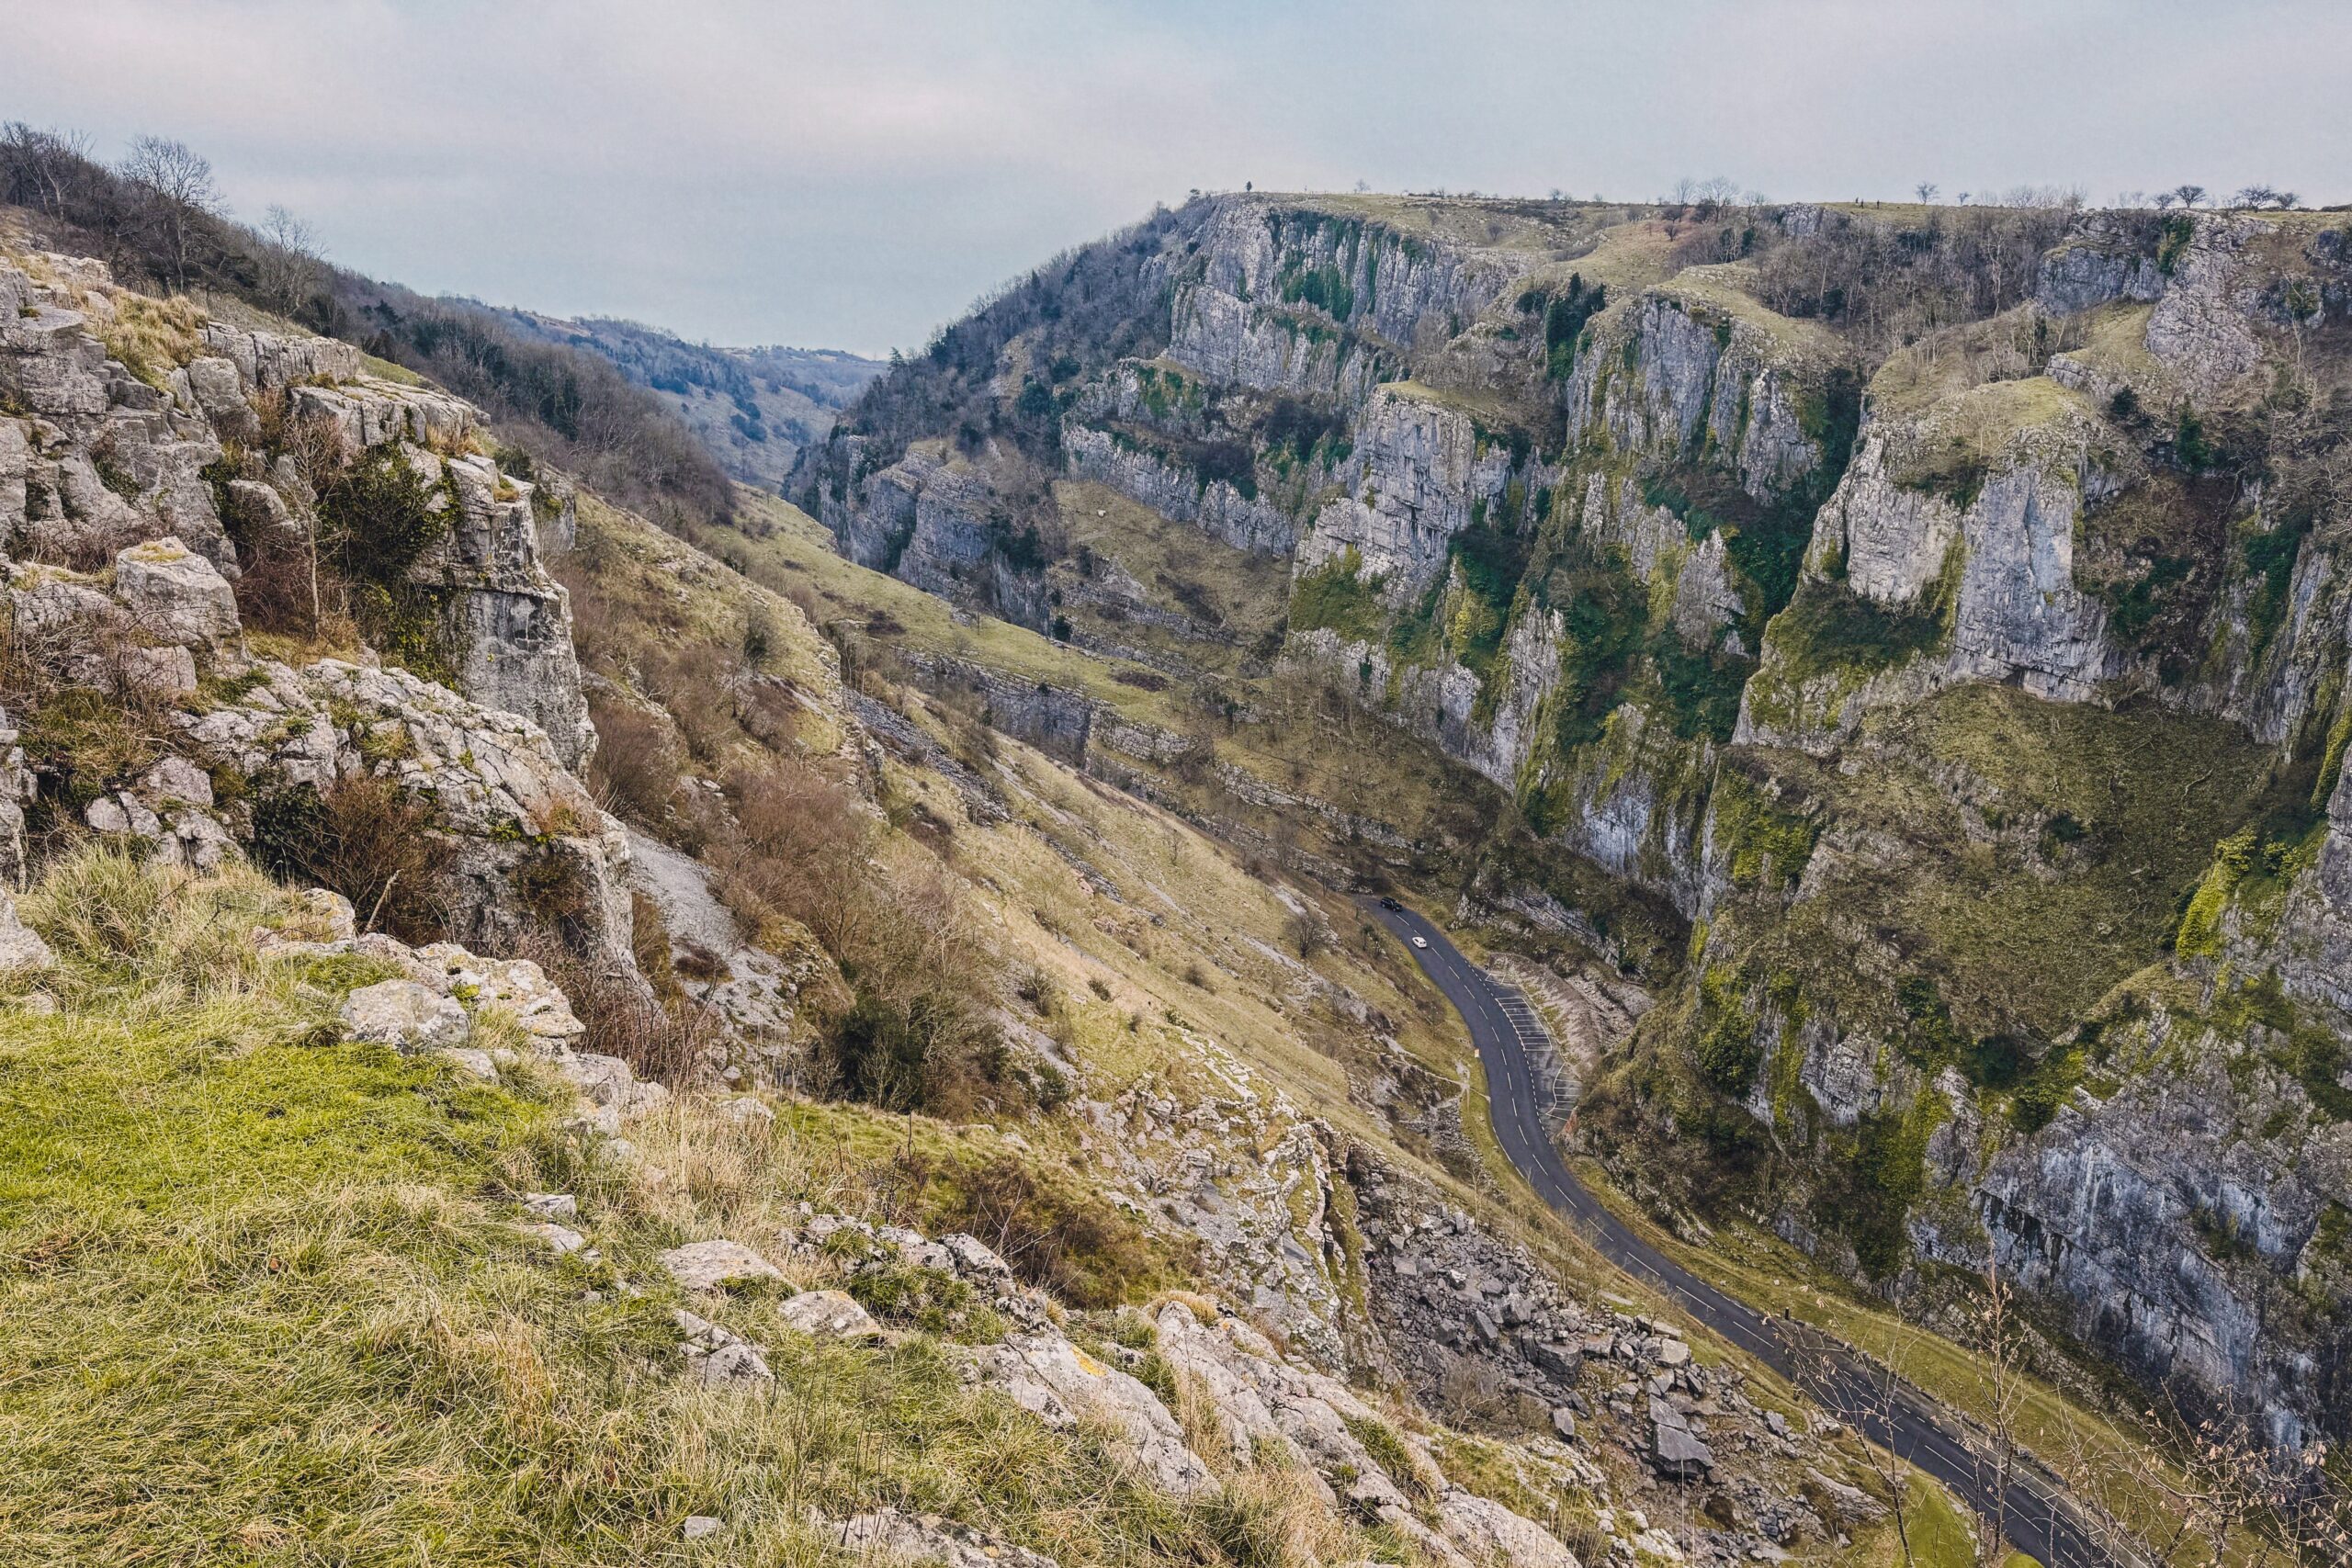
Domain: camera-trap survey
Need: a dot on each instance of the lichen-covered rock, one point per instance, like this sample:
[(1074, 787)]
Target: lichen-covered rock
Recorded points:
[(1062, 1385), (718, 1357), (21, 948), (174, 595), (718, 1265), (525, 843), (404, 1015), (827, 1314)]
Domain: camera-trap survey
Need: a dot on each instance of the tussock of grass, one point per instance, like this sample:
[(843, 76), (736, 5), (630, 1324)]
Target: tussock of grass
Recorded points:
[(152, 337)]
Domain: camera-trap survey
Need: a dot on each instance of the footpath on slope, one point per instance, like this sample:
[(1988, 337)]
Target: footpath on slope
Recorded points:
[(2042, 1519)]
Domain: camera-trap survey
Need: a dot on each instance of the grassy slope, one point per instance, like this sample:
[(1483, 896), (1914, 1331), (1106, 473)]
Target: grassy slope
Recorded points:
[(263, 1299), (1396, 779)]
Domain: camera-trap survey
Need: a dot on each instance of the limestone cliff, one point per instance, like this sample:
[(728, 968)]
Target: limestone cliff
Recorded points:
[(1913, 601)]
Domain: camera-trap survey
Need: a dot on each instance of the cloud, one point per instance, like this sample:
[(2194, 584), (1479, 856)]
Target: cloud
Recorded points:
[(854, 172)]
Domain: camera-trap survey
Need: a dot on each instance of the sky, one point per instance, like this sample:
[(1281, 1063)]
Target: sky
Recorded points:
[(852, 174)]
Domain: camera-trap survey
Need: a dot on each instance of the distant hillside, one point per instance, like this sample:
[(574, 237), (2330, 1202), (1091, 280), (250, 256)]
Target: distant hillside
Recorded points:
[(754, 408)]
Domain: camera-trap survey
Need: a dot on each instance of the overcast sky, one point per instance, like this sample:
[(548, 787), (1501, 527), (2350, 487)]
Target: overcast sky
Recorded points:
[(852, 173)]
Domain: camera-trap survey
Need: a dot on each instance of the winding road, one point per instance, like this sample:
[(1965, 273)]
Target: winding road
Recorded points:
[(2039, 1517)]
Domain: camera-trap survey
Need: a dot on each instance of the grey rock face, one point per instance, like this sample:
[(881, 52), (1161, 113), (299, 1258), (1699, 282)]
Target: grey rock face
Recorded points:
[(1232, 322), (1419, 472), (2201, 329), (2112, 1209), (1699, 376), (106, 460), (498, 792), (1215, 507), (2101, 262)]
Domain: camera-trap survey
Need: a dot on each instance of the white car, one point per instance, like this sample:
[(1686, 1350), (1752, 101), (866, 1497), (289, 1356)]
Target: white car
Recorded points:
[(1420, 942)]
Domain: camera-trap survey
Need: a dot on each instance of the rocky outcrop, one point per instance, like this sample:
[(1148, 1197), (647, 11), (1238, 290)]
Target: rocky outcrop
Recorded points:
[(524, 843), (936, 521), (1421, 468), (1215, 507), (93, 458), (2179, 1220), (1961, 523), (507, 623), (2107, 259), (1689, 370), (110, 467), (1293, 299), (22, 950)]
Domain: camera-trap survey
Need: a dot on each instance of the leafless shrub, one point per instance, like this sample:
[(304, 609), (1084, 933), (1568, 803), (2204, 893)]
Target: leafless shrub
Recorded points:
[(663, 1043)]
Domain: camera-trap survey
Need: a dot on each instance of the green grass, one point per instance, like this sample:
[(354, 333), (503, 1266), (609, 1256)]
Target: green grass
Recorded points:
[(259, 1302)]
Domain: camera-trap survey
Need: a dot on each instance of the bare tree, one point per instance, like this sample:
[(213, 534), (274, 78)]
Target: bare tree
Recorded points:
[(1865, 1394), (2227, 1497), (2000, 1350), (1719, 191), (2304, 308), (178, 192), (2189, 194), (39, 168), (1926, 189), (287, 263)]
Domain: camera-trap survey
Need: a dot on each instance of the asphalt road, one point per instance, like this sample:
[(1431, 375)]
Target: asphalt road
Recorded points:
[(2040, 1519)]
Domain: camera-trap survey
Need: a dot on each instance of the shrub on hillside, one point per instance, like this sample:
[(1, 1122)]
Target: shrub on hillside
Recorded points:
[(366, 839)]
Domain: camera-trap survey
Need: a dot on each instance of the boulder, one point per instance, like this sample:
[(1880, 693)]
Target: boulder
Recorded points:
[(894, 1536), (21, 948), (827, 1314), (1677, 1453), (1062, 1385), (716, 1265), (719, 1356), (404, 1015), (174, 596)]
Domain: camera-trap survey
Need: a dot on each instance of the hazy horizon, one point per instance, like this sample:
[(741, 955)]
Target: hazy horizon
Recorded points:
[(826, 177)]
